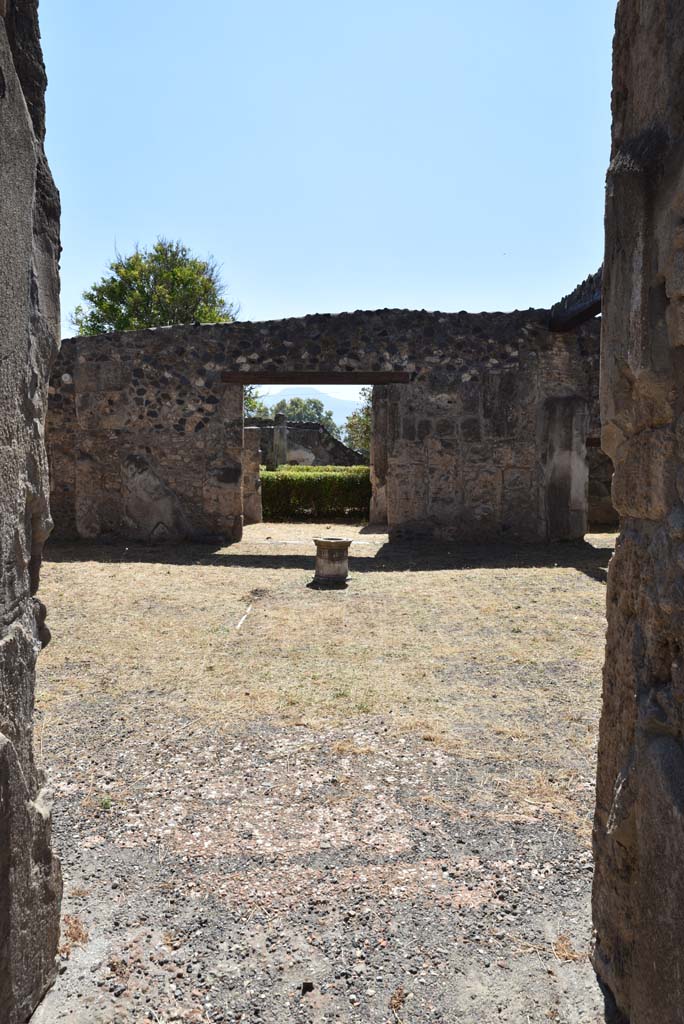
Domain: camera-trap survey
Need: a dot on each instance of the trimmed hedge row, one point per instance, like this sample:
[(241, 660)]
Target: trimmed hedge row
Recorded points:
[(316, 492), (317, 469)]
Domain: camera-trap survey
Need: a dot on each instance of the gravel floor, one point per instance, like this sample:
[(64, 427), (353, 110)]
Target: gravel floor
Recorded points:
[(268, 856)]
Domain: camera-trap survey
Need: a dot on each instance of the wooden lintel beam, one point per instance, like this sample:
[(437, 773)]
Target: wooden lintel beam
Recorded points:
[(315, 377), (574, 316)]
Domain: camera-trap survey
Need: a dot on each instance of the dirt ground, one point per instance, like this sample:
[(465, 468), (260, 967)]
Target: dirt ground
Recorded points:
[(276, 804)]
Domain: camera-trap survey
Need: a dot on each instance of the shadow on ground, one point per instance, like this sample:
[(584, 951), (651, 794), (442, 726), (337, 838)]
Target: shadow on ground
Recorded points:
[(420, 556)]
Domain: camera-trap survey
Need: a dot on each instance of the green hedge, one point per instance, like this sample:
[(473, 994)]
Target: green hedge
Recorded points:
[(316, 492), (348, 470)]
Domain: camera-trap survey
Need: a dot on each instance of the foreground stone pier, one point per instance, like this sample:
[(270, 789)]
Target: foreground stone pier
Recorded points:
[(639, 828), (30, 886)]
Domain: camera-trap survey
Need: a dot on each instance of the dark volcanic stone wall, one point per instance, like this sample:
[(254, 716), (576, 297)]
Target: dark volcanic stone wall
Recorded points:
[(30, 886), (145, 440), (485, 439), (639, 826)]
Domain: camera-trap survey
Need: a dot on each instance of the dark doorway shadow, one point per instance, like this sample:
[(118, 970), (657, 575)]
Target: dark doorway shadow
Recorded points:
[(405, 556)]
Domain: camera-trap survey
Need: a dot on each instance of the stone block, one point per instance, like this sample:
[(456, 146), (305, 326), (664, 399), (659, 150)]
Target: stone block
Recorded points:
[(471, 430), (644, 483), (482, 493), (519, 511)]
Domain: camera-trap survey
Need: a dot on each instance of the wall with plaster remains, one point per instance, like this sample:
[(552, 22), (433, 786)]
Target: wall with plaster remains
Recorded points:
[(485, 453), (483, 438)]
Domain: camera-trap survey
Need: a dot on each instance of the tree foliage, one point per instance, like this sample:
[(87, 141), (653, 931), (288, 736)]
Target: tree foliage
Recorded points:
[(358, 426), (253, 403), (154, 288), (306, 410)]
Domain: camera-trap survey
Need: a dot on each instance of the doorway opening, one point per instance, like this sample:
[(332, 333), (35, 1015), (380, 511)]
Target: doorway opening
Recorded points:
[(301, 461)]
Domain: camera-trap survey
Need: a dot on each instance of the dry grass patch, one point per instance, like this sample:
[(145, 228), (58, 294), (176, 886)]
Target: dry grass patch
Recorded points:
[(74, 933), (564, 951)]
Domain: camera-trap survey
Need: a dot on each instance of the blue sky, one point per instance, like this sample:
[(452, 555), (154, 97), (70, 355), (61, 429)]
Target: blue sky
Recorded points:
[(430, 154)]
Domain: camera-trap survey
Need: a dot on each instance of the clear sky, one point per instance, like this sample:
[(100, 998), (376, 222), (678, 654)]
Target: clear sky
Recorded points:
[(432, 154)]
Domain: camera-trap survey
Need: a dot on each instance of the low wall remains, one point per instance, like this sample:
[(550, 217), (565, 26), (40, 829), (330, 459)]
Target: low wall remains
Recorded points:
[(305, 444)]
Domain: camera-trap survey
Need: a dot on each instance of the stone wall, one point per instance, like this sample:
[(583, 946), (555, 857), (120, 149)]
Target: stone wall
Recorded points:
[(496, 451), (30, 886), (307, 444), (639, 826), (483, 436), (145, 440)]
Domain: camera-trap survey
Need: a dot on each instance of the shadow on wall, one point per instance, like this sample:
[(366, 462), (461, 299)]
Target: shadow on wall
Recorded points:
[(415, 557)]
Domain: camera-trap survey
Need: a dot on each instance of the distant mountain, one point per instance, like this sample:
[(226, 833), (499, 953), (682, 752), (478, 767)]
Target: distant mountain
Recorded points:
[(339, 407)]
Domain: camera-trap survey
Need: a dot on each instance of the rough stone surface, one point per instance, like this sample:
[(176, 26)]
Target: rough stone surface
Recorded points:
[(251, 476), (30, 886), (639, 827), (601, 509), (494, 449), (378, 455), (145, 442), (485, 439)]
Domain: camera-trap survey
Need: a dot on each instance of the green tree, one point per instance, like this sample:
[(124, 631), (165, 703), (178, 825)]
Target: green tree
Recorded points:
[(357, 428), (154, 288), (306, 410), (254, 405)]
